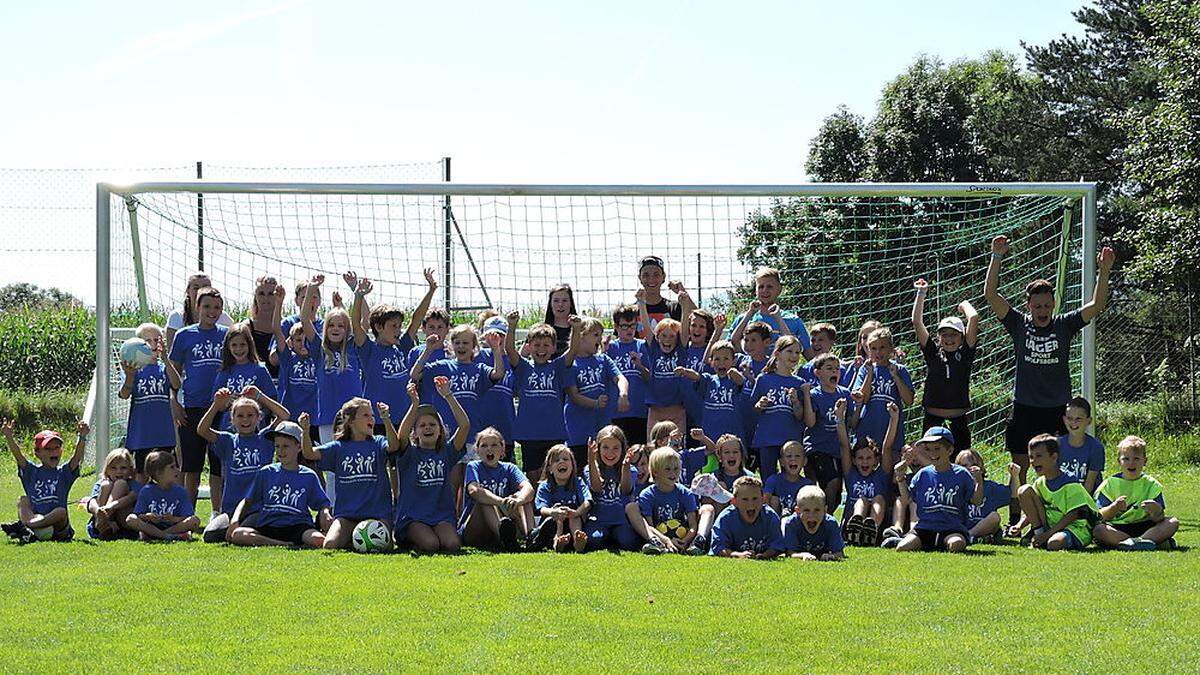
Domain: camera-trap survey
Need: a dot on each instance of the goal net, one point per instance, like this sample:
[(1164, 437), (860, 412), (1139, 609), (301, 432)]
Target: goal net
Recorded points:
[(847, 253)]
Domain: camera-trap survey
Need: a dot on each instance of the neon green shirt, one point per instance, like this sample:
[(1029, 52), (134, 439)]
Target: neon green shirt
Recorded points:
[(1145, 488), (1068, 497)]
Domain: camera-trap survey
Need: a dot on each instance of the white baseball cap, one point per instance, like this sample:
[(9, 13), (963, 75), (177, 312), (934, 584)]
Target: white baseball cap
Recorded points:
[(953, 323)]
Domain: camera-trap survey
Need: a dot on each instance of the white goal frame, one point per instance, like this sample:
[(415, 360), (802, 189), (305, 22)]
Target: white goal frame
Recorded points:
[(100, 404)]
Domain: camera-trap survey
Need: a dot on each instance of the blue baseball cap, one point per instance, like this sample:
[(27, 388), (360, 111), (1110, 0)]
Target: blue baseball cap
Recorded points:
[(935, 434), (495, 324)]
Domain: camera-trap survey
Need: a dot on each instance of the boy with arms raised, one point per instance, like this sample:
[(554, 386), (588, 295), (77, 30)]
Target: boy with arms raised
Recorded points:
[(751, 529), (767, 289), (1131, 505), (811, 533), (1060, 511), (949, 356), (42, 511)]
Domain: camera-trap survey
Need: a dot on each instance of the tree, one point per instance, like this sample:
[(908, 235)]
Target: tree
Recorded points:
[(29, 295), (838, 153)]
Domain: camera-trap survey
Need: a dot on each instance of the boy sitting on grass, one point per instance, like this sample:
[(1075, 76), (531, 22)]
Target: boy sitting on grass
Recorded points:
[(942, 492), (1131, 505), (42, 510), (751, 529), (1056, 506), (811, 533)]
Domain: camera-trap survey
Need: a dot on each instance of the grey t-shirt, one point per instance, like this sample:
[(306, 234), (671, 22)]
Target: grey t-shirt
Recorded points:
[(1043, 357)]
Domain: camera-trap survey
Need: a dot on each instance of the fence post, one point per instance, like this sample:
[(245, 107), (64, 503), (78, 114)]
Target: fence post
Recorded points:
[(200, 219), (448, 236)]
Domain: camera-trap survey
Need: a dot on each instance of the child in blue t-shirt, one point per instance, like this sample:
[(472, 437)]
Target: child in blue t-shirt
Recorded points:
[(282, 497), (867, 477), (357, 460), (717, 388), (664, 353), (983, 520), (296, 351), (589, 379), (782, 488), (811, 533), (151, 424), (1080, 455), (777, 400), (425, 508), (163, 510), (498, 510), (610, 476), (339, 374), (823, 441), (42, 511), (701, 332), (241, 452), (113, 497), (751, 529), (667, 510), (539, 385), (713, 486), (562, 504), (241, 369), (629, 353), (881, 381), (941, 492), (496, 406)]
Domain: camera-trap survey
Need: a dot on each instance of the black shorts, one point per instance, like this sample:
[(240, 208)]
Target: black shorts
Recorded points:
[(289, 533), (935, 540), (822, 468), (959, 426), (1027, 421), (1134, 530), (634, 428), (533, 454), (194, 447), (140, 455)]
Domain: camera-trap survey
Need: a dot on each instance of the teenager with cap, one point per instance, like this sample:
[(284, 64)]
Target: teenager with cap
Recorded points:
[(949, 357)]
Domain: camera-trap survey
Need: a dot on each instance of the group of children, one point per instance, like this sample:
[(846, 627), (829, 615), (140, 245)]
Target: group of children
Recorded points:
[(417, 436)]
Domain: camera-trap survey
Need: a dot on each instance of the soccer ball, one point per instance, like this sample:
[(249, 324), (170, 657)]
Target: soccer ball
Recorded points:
[(137, 352), (44, 533), (673, 528), (371, 536)]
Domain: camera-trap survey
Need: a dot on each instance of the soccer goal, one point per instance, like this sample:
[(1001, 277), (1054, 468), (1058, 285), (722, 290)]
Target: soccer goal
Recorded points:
[(847, 253)]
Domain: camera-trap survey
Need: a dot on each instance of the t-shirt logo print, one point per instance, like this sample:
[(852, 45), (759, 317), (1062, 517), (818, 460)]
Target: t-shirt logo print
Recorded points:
[(358, 465), (1040, 349), (431, 472)]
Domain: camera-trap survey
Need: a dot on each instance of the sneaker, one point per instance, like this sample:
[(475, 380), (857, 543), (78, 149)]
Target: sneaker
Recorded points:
[(15, 529), (854, 530), (1138, 544), (868, 533), (1168, 545), (699, 546), (508, 535), (652, 548), (892, 531), (890, 542)]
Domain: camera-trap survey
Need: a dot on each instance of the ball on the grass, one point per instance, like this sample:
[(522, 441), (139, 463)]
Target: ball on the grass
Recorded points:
[(44, 533), (137, 352), (673, 528), (371, 536)]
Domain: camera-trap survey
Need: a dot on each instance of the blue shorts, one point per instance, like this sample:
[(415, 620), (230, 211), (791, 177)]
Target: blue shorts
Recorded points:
[(1073, 543)]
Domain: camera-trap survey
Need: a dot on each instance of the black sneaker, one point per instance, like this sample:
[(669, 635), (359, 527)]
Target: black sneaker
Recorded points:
[(15, 529), (890, 542), (699, 546), (1168, 545), (868, 532), (508, 535), (652, 548), (892, 531)]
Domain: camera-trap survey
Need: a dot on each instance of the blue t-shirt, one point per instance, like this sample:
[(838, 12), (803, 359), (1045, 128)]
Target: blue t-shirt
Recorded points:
[(609, 505), (150, 422), (693, 403), (502, 480), (1077, 462), (361, 486), (425, 491), (199, 352), (385, 374), (692, 462), (873, 420), (298, 380), (731, 533), (868, 487), (591, 375), (845, 374), (827, 538), (237, 378), (540, 400), (721, 406), (658, 506), (663, 389), (620, 353), (777, 424), (785, 490), (241, 458), (46, 487), (285, 498), (286, 323), (995, 496), (174, 501), (468, 383), (336, 383), (573, 494), (942, 498), (496, 407), (823, 438), (794, 324), (727, 480), (427, 390)]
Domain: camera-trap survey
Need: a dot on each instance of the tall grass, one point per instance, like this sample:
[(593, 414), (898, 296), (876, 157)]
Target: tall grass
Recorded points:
[(47, 349)]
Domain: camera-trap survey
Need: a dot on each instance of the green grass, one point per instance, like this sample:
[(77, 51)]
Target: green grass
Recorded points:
[(196, 606)]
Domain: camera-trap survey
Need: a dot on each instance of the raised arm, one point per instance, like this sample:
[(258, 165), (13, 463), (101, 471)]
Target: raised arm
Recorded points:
[(839, 414), (308, 312), (510, 339), (418, 314), (573, 341), (432, 343), (389, 429), (918, 311), (972, 318), (498, 368), (221, 400), (410, 417), (361, 290), (464, 423), (1104, 263), (889, 437), (595, 479), (281, 340), (307, 450), (740, 332), (710, 446), (991, 283), (774, 312), (810, 414), (274, 407), (81, 429), (718, 329), (686, 305)]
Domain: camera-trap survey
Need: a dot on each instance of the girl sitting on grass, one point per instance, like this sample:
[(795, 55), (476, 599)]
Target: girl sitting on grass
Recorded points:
[(113, 497), (563, 501), (163, 511)]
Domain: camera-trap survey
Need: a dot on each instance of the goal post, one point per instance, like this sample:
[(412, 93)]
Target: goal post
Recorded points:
[(507, 244)]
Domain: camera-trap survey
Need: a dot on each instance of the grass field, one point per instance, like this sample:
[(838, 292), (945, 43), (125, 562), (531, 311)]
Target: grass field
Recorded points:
[(70, 607)]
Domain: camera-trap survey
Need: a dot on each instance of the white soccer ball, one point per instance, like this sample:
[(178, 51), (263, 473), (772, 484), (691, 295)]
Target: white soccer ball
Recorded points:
[(137, 352), (371, 536)]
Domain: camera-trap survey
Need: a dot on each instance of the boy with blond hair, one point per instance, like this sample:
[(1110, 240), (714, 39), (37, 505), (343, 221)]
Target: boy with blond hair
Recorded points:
[(1131, 505)]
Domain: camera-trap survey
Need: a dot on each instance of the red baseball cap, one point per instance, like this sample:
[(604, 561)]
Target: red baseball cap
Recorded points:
[(43, 438)]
